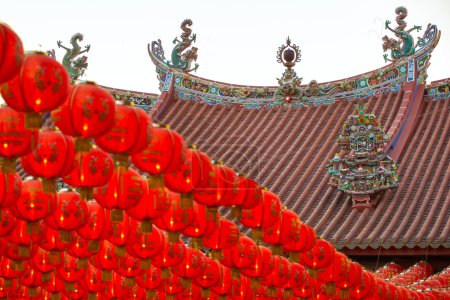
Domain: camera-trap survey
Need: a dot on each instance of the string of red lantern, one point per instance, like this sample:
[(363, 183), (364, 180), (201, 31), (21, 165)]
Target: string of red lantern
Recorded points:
[(109, 241)]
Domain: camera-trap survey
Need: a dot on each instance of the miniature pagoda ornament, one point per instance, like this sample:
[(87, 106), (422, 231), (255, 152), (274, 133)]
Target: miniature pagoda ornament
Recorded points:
[(289, 83), (75, 65), (404, 45), (181, 57), (365, 170)]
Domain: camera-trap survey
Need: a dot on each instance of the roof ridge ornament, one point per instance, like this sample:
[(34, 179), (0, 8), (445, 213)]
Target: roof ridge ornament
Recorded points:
[(289, 83), (364, 170), (404, 45), (182, 58), (73, 65)]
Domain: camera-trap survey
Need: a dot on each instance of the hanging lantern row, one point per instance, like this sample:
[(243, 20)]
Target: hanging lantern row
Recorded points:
[(117, 233)]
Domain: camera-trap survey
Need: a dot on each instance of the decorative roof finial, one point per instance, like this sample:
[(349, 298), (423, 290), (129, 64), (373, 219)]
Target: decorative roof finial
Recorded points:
[(74, 66), (289, 83), (181, 57), (404, 45)]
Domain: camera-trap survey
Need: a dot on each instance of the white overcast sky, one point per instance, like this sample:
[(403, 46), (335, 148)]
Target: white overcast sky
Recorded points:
[(237, 40)]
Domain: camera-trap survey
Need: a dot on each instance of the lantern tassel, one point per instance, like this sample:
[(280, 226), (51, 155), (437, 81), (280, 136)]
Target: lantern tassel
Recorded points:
[(121, 160), (205, 293), (345, 294), (330, 288), (272, 291), (49, 186), (146, 226), (257, 234), (86, 193), (46, 276), (33, 120), (174, 237), (288, 293), (165, 273), (151, 294), (32, 292), (236, 211), (70, 286), (212, 215), (313, 272), (217, 254), (55, 257), (55, 296), (8, 165), (106, 276), (82, 263), (94, 246), (120, 251), (7, 282), (129, 281), (255, 284), (187, 283), (196, 243), (277, 249), (116, 215), (235, 273), (156, 181), (64, 236), (24, 251), (92, 296), (294, 256), (82, 145), (186, 201), (18, 265), (145, 264)]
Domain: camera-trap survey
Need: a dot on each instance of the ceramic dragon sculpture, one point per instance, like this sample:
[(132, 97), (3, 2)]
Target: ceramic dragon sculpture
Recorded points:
[(75, 66), (404, 45), (181, 57)]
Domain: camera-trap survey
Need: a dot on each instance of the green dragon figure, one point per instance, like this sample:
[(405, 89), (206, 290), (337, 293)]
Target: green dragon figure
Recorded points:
[(404, 45), (180, 59), (75, 66)]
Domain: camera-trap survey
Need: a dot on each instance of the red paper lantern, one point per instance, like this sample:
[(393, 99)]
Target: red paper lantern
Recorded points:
[(40, 86), (144, 245), (88, 111), (44, 261), (118, 287), (366, 286), (320, 256), (192, 266), (236, 187), (52, 241), (7, 222), (225, 236), (82, 248), (203, 224), (209, 191), (52, 158), (150, 279), (176, 218), (242, 255), (106, 260), (271, 209), (124, 190), (31, 278), (153, 205), (129, 267), (263, 264), (15, 139), (297, 279), (290, 227), (223, 285), (94, 229), (11, 53), (254, 194), (70, 214), (91, 169), (131, 132), (118, 232), (10, 189), (280, 273), (164, 153), (170, 254), (70, 271), (187, 176), (211, 274), (34, 204)]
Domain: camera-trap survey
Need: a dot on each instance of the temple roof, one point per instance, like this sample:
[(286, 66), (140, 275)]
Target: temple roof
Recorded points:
[(285, 145)]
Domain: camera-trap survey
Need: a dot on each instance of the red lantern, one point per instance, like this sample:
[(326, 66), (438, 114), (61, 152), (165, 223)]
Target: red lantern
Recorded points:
[(118, 288), (300, 245), (70, 271), (24, 239), (223, 285), (129, 267), (209, 191), (119, 232), (170, 255), (153, 205), (93, 280), (131, 133), (204, 224), (88, 111), (297, 278), (234, 190), (15, 139), (164, 153), (187, 176), (44, 261), (225, 236), (94, 229), (211, 274), (254, 194), (75, 291), (242, 255), (280, 274), (82, 248), (40, 86), (52, 241), (150, 279), (52, 158), (70, 214), (31, 278), (11, 53), (365, 288), (124, 190), (106, 260), (91, 169), (271, 209), (320, 256), (34, 204), (192, 266), (144, 245), (7, 222), (176, 218), (262, 266), (10, 189)]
